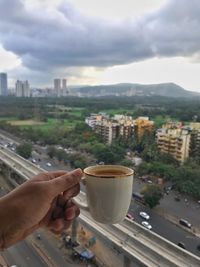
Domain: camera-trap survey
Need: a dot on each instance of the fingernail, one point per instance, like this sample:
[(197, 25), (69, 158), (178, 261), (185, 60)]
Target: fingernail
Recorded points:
[(77, 172)]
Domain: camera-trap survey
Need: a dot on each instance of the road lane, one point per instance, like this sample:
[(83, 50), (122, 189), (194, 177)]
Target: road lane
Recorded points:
[(165, 228), (23, 255)]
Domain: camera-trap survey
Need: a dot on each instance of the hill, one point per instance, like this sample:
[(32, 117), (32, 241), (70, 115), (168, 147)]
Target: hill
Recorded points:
[(133, 89)]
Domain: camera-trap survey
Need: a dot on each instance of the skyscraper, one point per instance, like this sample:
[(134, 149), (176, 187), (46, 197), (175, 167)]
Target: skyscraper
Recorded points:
[(64, 87), (22, 89), (3, 84), (57, 87), (60, 87)]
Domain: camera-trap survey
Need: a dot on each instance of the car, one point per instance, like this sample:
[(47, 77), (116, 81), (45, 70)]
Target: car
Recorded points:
[(33, 160), (198, 247), (129, 216), (48, 164), (144, 215), (185, 223), (38, 237), (181, 245), (147, 225)]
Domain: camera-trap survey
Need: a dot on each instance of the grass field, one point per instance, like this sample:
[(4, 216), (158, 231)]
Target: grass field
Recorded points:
[(7, 118), (71, 111), (112, 112), (25, 122), (44, 126)]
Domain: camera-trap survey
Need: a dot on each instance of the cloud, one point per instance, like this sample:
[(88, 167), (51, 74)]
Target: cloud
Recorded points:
[(53, 39)]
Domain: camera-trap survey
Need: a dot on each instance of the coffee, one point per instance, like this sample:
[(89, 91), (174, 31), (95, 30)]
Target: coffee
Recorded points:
[(109, 173)]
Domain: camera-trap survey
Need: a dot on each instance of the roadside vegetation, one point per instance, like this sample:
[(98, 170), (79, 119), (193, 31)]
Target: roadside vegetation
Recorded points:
[(61, 122)]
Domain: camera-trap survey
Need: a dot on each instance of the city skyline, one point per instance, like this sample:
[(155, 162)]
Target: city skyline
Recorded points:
[(97, 44)]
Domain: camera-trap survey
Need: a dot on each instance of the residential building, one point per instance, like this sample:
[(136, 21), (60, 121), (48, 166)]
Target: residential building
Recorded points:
[(60, 87), (65, 91), (57, 87), (143, 125), (93, 119), (3, 84), (175, 142), (195, 139), (22, 89), (173, 125), (107, 130), (118, 126)]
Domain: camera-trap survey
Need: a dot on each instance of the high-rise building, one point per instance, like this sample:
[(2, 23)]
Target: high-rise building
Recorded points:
[(143, 125), (60, 87), (22, 89), (65, 91), (57, 87), (3, 84), (175, 142)]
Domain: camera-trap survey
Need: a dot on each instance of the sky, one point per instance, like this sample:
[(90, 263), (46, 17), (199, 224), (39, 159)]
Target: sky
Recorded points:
[(101, 42)]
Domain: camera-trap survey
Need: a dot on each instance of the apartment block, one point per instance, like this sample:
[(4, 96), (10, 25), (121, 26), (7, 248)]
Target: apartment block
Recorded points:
[(60, 87), (22, 89), (175, 142), (118, 126), (143, 125), (195, 139)]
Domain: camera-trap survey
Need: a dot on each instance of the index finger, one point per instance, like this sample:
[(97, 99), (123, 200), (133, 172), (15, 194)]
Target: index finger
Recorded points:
[(46, 176), (66, 181)]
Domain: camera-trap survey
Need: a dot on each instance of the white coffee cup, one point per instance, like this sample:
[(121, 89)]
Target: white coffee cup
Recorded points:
[(108, 192)]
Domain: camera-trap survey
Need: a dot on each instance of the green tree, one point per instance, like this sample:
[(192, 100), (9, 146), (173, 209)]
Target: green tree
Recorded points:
[(126, 162), (24, 150), (61, 155), (152, 195), (51, 151)]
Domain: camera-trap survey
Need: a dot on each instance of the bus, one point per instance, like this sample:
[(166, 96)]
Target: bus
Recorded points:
[(138, 197)]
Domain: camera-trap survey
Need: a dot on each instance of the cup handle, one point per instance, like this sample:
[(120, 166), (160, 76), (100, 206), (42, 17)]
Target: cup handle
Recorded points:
[(80, 200)]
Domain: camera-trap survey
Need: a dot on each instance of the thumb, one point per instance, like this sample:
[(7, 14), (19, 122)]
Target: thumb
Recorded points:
[(66, 181)]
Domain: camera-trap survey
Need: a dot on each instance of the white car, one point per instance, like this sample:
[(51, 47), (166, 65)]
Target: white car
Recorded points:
[(144, 215), (48, 164), (147, 225)]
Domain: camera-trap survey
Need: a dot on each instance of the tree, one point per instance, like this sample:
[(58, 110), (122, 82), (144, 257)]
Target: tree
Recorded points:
[(51, 151), (61, 155), (152, 195), (126, 162), (24, 150)]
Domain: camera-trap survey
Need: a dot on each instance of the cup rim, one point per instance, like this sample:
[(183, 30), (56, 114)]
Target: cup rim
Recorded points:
[(88, 172)]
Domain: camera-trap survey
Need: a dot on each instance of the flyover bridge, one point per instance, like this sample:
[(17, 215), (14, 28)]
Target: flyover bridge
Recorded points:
[(137, 244)]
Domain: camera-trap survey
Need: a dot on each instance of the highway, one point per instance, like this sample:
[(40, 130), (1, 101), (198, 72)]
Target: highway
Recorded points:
[(134, 241), (166, 229), (23, 255)]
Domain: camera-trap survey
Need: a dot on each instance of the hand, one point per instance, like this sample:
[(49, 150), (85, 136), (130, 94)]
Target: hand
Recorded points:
[(43, 201)]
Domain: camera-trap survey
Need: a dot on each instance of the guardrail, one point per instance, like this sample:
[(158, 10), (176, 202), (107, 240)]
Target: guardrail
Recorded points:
[(133, 240)]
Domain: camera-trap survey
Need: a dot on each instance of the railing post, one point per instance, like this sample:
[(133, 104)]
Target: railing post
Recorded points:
[(75, 224)]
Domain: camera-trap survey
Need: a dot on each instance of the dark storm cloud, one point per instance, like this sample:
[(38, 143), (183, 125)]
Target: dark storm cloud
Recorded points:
[(52, 39)]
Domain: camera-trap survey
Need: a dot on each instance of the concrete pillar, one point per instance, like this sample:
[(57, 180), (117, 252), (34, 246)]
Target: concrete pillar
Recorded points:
[(75, 224), (127, 261)]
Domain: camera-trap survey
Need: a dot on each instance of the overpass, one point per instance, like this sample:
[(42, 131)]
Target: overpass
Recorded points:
[(136, 243)]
